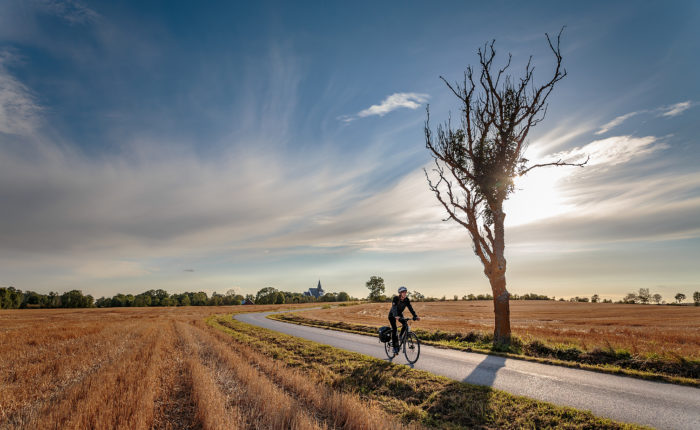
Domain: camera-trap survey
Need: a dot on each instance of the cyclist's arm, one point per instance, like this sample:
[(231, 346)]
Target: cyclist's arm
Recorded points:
[(410, 308)]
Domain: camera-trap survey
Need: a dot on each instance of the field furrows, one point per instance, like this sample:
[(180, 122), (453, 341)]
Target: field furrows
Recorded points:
[(341, 410), (212, 408), (44, 378), (260, 403), (120, 395), (175, 407), (135, 369)]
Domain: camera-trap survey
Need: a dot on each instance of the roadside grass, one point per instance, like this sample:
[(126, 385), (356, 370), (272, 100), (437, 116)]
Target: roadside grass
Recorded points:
[(678, 370), (413, 396)]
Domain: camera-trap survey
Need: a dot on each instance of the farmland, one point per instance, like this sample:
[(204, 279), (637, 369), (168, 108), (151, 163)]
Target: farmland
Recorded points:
[(195, 367), (640, 329)]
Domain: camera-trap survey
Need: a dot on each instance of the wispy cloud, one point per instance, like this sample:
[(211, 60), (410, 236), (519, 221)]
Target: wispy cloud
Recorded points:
[(72, 11), (663, 111), (389, 104), (676, 109), (19, 112), (613, 150), (617, 121)]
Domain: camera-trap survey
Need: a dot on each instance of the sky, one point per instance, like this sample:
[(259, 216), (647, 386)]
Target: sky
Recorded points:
[(238, 145)]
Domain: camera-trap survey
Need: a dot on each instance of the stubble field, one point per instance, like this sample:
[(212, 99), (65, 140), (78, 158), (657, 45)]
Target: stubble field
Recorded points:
[(162, 368), (197, 368)]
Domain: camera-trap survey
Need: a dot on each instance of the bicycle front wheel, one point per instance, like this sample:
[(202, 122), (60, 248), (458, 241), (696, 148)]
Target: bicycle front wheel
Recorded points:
[(412, 348)]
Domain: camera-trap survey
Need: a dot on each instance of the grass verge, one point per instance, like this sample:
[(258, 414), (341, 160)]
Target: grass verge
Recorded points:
[(680, 371), (413, 396)]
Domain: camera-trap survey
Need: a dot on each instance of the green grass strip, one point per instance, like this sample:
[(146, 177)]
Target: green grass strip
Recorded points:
[(409, 394)]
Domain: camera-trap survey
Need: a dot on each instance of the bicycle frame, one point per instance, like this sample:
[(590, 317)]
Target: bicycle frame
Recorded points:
[(404, 336)]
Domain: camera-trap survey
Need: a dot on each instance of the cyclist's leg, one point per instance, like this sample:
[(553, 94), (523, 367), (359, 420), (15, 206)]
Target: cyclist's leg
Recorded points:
[(394, 337)]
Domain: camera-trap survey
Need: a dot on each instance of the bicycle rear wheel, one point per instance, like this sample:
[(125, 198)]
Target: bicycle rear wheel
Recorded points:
[(389, 349), (412, 348)]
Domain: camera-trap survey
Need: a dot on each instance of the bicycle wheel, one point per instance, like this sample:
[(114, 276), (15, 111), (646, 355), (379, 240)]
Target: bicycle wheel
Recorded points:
[(389, 349), (412, 348)]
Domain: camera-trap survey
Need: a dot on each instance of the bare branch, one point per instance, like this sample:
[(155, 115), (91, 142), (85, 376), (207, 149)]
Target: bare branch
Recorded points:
[(455, 92), (556, 163)]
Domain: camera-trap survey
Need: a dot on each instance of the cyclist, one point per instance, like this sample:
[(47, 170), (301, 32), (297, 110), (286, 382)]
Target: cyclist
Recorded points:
[(398, 304)]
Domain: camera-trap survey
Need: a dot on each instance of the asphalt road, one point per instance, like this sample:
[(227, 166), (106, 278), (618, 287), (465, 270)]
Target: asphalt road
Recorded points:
[(655, 404)]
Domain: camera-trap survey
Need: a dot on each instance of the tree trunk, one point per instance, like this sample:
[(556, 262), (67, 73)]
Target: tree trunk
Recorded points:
[(497, 277), (501, 309)]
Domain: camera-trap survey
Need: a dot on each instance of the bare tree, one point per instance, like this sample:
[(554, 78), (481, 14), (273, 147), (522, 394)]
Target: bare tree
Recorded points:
[(476, 162)]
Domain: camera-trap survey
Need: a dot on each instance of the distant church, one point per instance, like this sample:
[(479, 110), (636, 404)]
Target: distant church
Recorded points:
[(316, 292)]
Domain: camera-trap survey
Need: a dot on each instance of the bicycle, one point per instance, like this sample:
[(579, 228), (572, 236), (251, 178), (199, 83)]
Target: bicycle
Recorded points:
[(409, 342)]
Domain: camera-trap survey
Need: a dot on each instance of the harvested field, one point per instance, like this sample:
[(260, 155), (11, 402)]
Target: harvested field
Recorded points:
[(639, 329), (165, 368), (133, 369)]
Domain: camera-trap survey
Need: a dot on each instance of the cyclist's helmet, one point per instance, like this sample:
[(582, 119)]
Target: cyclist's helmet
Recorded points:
[(402, 289)]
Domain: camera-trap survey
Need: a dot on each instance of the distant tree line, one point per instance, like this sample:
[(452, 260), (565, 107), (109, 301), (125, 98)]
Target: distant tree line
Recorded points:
[(12, 298), (162, 298), (645, 297)]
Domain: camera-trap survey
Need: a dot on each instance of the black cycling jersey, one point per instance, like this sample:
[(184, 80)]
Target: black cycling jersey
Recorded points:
[(398, 306)]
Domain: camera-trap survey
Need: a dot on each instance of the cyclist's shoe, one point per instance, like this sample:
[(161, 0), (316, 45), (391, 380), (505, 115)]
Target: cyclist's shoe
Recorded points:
[(396, 352)]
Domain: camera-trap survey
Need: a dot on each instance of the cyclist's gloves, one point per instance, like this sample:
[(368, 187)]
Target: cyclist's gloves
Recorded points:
[(415, 318)]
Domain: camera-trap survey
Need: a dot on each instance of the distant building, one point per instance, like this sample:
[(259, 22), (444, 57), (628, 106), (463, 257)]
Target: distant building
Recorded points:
[(247, 302), (315, 292)]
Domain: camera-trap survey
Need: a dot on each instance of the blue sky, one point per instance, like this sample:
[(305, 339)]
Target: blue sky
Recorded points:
[(238, 145)]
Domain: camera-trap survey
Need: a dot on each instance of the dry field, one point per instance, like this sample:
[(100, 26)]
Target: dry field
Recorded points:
[(639, 329), (140, 368)]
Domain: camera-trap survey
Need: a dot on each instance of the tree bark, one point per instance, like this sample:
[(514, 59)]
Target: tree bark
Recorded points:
[(501, 309), (497, 276)]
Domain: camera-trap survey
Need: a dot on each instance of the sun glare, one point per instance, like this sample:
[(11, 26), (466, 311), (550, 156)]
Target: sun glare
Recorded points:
[(537, 196)]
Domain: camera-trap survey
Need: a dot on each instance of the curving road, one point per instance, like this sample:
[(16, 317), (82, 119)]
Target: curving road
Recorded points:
[(655, 404)]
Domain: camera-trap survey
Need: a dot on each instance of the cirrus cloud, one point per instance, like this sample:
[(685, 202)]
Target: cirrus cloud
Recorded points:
[(676, 109), (617, 121), (612, 150), (663, 111), (19, 112), (389, 104)]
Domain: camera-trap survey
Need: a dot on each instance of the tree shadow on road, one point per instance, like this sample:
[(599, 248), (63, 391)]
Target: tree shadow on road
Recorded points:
[(485, 372), (470, 404)]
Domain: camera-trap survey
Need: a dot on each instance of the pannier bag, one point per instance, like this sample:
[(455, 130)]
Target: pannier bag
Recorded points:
[(384, 334)]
